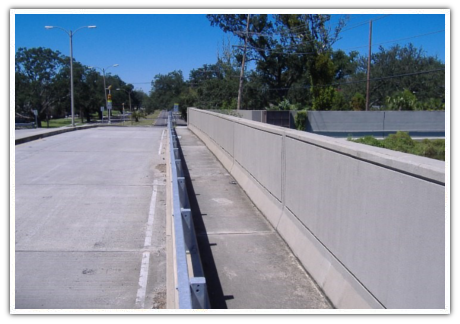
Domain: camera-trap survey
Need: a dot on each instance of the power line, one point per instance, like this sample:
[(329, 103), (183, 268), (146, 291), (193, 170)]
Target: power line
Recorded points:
[(360, 81), (399, 39), (364, 23), (276, 51)]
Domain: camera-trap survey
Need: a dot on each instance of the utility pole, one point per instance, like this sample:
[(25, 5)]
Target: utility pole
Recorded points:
[(369, 66), (240, 88), (70, 34)]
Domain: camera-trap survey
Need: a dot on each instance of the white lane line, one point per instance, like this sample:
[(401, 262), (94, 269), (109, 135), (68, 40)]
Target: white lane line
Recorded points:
[(161, 142), (144, 272), (144, 275), (148, 232)]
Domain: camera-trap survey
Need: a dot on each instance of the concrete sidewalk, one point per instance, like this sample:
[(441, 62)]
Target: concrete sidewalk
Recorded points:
[(246, 263)]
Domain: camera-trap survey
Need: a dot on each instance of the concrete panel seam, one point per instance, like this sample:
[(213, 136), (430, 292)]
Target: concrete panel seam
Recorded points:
[(257, 181), (335, 258), (283, 178)]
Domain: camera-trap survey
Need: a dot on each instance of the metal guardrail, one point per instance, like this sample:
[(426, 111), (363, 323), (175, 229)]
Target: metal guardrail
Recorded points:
[(190, 280)]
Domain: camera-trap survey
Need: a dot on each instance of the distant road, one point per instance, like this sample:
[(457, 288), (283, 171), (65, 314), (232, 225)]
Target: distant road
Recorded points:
[(162, 119)]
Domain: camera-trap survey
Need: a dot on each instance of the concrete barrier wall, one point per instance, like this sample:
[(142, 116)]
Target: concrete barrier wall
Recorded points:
[(376, 123), (367, 223), (255, 115)]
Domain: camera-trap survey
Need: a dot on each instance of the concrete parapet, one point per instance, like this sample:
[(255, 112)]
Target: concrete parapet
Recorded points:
[(367, 223)]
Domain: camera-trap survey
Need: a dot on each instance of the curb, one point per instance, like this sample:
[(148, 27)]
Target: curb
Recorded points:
[(56, 132)]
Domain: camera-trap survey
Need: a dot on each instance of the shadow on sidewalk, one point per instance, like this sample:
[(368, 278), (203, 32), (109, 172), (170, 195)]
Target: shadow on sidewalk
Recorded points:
[(215, 292)]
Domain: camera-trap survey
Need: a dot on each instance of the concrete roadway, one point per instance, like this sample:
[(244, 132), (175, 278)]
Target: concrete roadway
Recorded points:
[(89, 220)]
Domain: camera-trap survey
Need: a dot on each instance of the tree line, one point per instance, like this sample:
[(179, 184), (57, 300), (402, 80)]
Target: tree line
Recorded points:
[(294, 66), (42, 83)]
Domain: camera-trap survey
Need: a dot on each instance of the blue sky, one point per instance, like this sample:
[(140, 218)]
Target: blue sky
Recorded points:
[(149, 42)]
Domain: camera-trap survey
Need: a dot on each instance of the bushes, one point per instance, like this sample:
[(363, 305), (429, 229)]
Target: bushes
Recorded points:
[(369, 140), (402, 142), (358, 102), (301, 120)]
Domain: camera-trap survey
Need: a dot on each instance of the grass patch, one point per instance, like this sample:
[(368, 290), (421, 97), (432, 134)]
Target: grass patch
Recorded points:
[(402, 142), (59, 122), (143, 121)]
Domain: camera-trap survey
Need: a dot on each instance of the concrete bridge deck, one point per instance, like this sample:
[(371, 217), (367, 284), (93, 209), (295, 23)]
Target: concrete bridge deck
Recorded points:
[(83, 236), (247, 264), (70, 255)]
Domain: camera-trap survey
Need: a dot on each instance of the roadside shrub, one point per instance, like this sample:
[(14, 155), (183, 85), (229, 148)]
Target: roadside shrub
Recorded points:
[(402, 142), (301, 120), (358, 102), (369, 140)]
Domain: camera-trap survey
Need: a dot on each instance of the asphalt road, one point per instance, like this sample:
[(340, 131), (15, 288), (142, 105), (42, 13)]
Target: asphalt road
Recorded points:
[(162, 119), (89, 220)]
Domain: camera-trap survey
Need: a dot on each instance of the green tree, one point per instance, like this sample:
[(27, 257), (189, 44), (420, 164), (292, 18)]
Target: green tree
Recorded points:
[(345, 65), (358, 102), (403, 100), (284, 48), (339, 102), (214, 86), (301, 120), (396, 68), (35, 71), (322, 74), (166, 89)]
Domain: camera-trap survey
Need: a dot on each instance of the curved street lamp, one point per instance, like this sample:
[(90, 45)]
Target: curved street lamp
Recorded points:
[(105, 88), (70, 33)]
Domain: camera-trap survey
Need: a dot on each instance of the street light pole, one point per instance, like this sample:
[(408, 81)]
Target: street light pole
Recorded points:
[(123, 114), (109, 97), (105, 95), (70, 33), (72, 110)]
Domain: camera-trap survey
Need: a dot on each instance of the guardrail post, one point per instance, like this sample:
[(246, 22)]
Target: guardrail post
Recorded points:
[(176, 153), (199, 293), (180, 171), (183, 192), (188, 230), (174, 141)]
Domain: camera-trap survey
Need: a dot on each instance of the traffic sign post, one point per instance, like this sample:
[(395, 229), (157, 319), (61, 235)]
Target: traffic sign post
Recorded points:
[(35, 111), (102, 114), (109, 104)]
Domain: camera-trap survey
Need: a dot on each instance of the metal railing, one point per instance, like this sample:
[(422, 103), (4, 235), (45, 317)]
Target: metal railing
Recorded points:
[(190, 281)]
